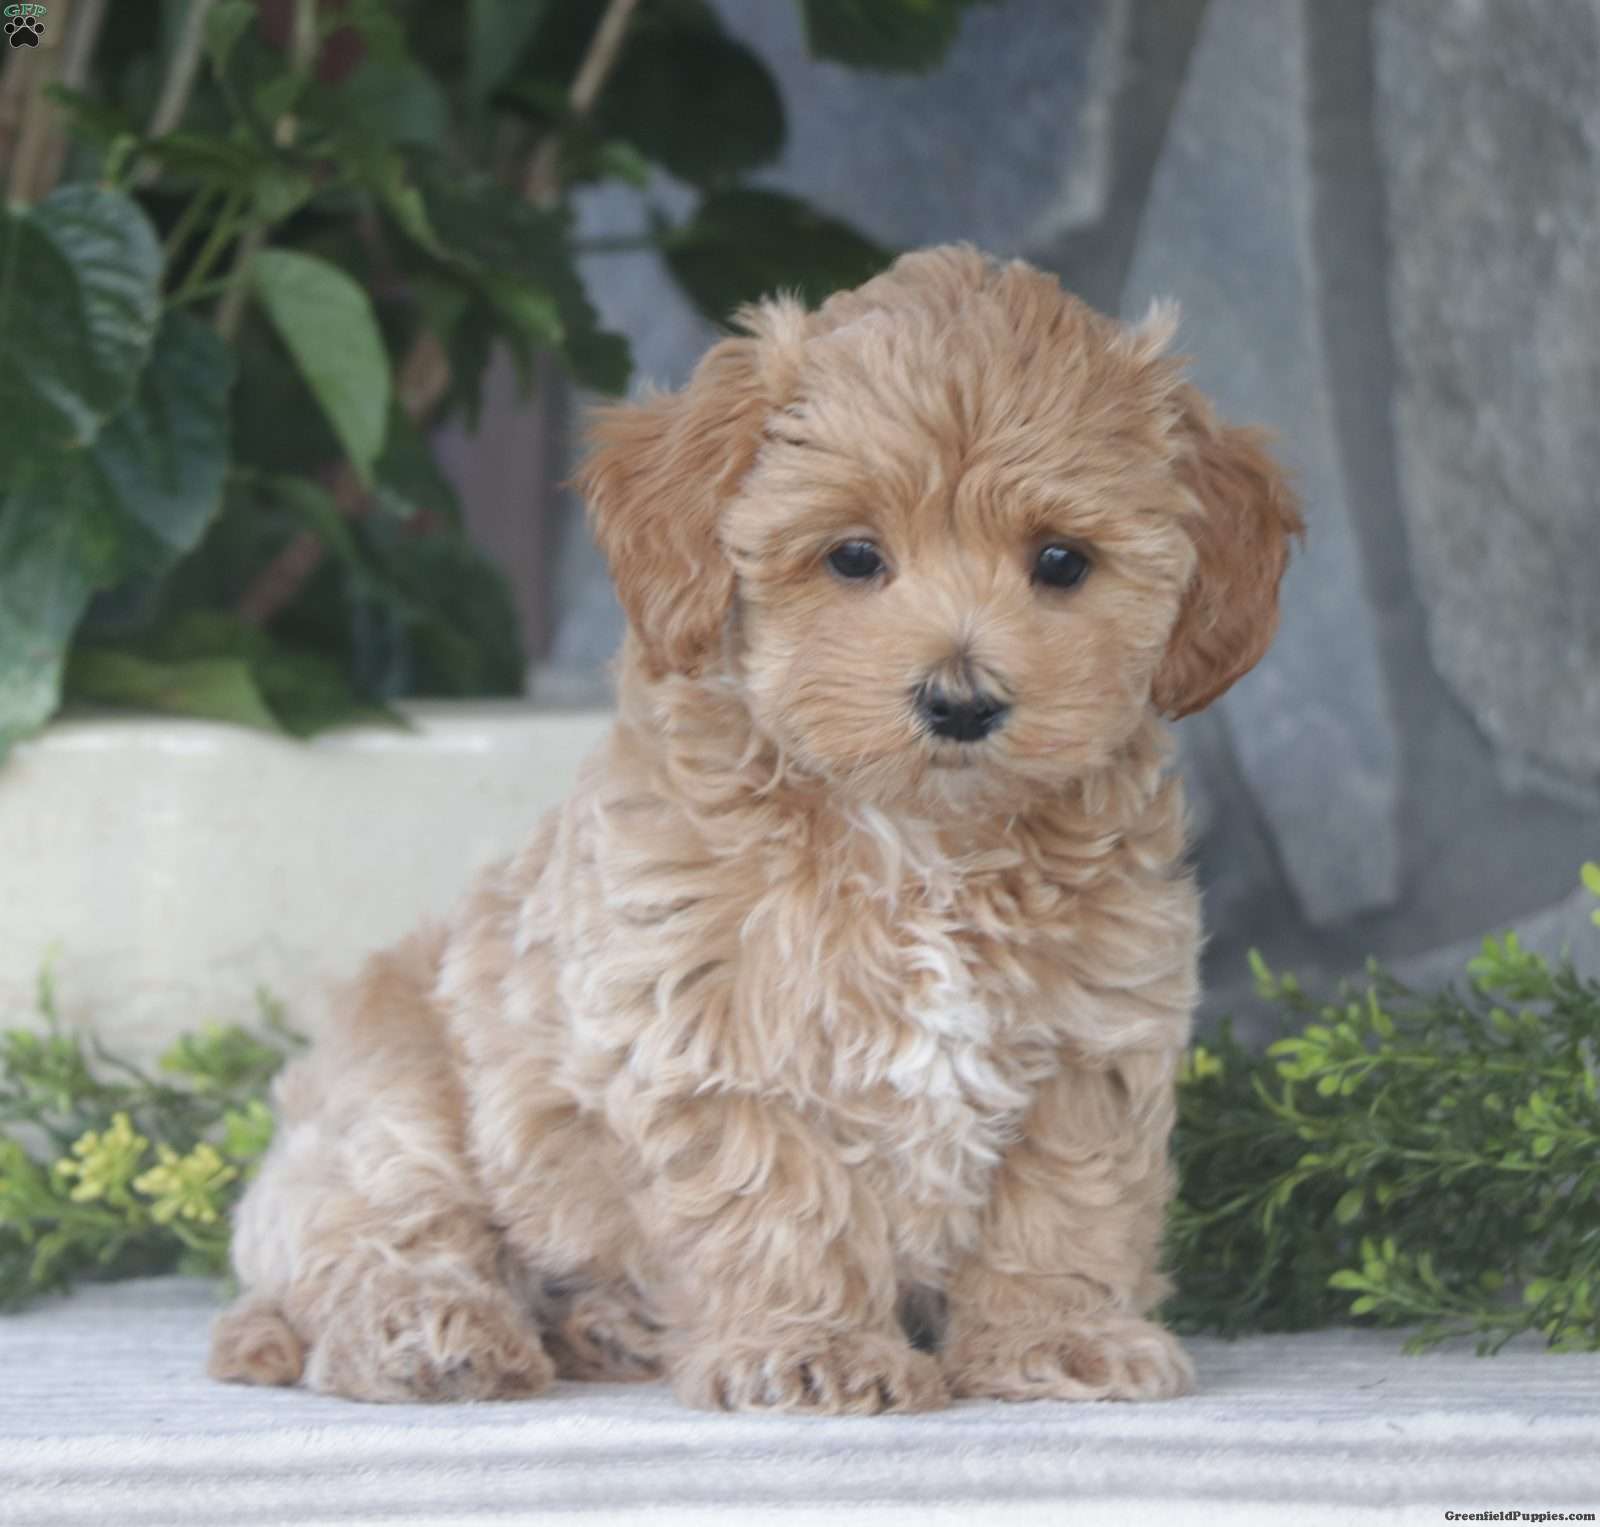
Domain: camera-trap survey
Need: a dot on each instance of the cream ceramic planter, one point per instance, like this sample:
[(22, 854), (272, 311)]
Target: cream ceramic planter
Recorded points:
[(170, 868)]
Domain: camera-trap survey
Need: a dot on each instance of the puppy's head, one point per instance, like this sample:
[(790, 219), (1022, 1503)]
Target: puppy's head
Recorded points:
[(953, 533)]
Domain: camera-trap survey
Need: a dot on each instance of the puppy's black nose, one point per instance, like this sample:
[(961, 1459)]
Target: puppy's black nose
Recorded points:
[(965, 718)]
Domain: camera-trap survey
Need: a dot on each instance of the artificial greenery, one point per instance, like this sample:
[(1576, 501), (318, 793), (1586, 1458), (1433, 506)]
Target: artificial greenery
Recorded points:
[(1426, 1159), (257, 251), (108, 1171), (1400, 1158)]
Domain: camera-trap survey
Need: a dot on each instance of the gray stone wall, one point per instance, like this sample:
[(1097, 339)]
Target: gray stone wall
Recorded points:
[(1382, 219)]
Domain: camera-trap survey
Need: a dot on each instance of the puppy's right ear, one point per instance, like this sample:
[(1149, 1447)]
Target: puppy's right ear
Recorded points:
[(659, 472), (1247, 517)]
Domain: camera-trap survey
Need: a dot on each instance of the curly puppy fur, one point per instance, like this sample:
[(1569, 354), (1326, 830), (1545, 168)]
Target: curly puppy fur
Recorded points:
[(799, 1027)]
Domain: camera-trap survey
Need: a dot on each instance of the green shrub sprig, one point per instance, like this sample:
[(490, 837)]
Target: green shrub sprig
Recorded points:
[(1426, 1159), (107, 1171)]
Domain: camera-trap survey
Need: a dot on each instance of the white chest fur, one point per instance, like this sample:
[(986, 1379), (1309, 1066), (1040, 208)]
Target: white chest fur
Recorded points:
[(935, 1046)]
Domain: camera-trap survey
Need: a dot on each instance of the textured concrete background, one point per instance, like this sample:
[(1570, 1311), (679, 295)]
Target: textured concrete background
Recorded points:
[(1382, 218)]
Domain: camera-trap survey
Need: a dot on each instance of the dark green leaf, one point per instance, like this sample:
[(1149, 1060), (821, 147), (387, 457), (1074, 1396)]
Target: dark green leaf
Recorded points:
[(685, 93), (615, 160), (520, 260), (315, 507), (382, 104), (416, 609), (409, 481), (278, 425), (900, 35), (692, 98), (229, 164), (497, 33), (235, 164), (302, 692), (280, 193), (54, 552), (382, 31), (460, 619), (79, 304), (388, 176), (470, 336), (226, 23), (327, 324), (529, 318), (161, 462), (90, 118), (140, 496), (745, 244), (277, 97), (597, 357), (218, 689)]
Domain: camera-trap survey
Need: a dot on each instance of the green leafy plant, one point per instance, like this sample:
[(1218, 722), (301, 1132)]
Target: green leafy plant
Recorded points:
[(257, 251), (108, 1171), (1426, 1159)]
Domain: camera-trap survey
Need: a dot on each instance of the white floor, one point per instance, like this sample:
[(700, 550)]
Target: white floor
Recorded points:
[(107, 1418)]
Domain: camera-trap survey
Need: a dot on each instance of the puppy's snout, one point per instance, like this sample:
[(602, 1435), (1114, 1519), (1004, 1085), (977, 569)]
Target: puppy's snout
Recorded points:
[(961, 718)]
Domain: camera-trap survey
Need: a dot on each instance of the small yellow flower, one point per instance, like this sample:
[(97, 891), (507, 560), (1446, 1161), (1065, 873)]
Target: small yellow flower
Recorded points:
[(105, 1162), (186, 1187), (1198, 1064)]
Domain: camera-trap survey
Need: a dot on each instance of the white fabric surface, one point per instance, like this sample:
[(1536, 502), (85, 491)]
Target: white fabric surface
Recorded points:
[(106, 1417)]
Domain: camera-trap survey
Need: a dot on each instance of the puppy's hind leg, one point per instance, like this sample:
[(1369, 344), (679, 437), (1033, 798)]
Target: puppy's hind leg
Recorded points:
[(366, 1251)]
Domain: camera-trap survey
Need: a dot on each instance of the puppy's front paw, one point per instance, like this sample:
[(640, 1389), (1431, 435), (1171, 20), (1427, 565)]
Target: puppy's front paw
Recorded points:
[(252, 1343), (1102, 1357), (858, 1375), (430, 1344)]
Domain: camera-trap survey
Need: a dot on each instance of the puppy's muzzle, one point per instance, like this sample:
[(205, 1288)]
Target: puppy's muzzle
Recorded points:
[(961, 718)]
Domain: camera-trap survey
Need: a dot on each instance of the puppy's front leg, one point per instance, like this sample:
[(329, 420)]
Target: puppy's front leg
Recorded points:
[(780, 1280), (1051, 1303)]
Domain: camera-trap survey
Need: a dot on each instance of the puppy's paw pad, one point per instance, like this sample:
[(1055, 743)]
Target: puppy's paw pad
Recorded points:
[(1104, 1358), (825, 1375)]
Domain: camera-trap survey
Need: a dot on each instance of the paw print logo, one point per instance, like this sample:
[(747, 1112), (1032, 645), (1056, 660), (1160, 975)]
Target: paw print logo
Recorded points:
[(25, 32)]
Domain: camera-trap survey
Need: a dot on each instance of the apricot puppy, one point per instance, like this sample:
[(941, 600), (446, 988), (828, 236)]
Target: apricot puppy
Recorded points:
[(846, 994)]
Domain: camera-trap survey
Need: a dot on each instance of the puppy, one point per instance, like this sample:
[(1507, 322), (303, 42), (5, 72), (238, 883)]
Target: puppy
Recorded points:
[(845, 996)]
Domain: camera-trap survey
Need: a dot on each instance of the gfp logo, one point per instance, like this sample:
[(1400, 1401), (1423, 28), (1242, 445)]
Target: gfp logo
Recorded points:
[(24, 25)]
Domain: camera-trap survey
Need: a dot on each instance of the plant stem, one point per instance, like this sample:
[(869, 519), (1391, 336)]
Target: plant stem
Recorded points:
[(542, 183), (193, 215), (183, 68), (202, 293), (223, 232), (236, 286), (87, 19), (302, 56)]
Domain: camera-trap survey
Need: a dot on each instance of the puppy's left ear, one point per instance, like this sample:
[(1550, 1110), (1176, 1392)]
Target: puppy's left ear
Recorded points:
[(1247, 515), (658, 474)]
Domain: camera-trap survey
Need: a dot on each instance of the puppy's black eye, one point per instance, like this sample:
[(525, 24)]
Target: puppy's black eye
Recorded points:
[(855, 559), (1060, 567)]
